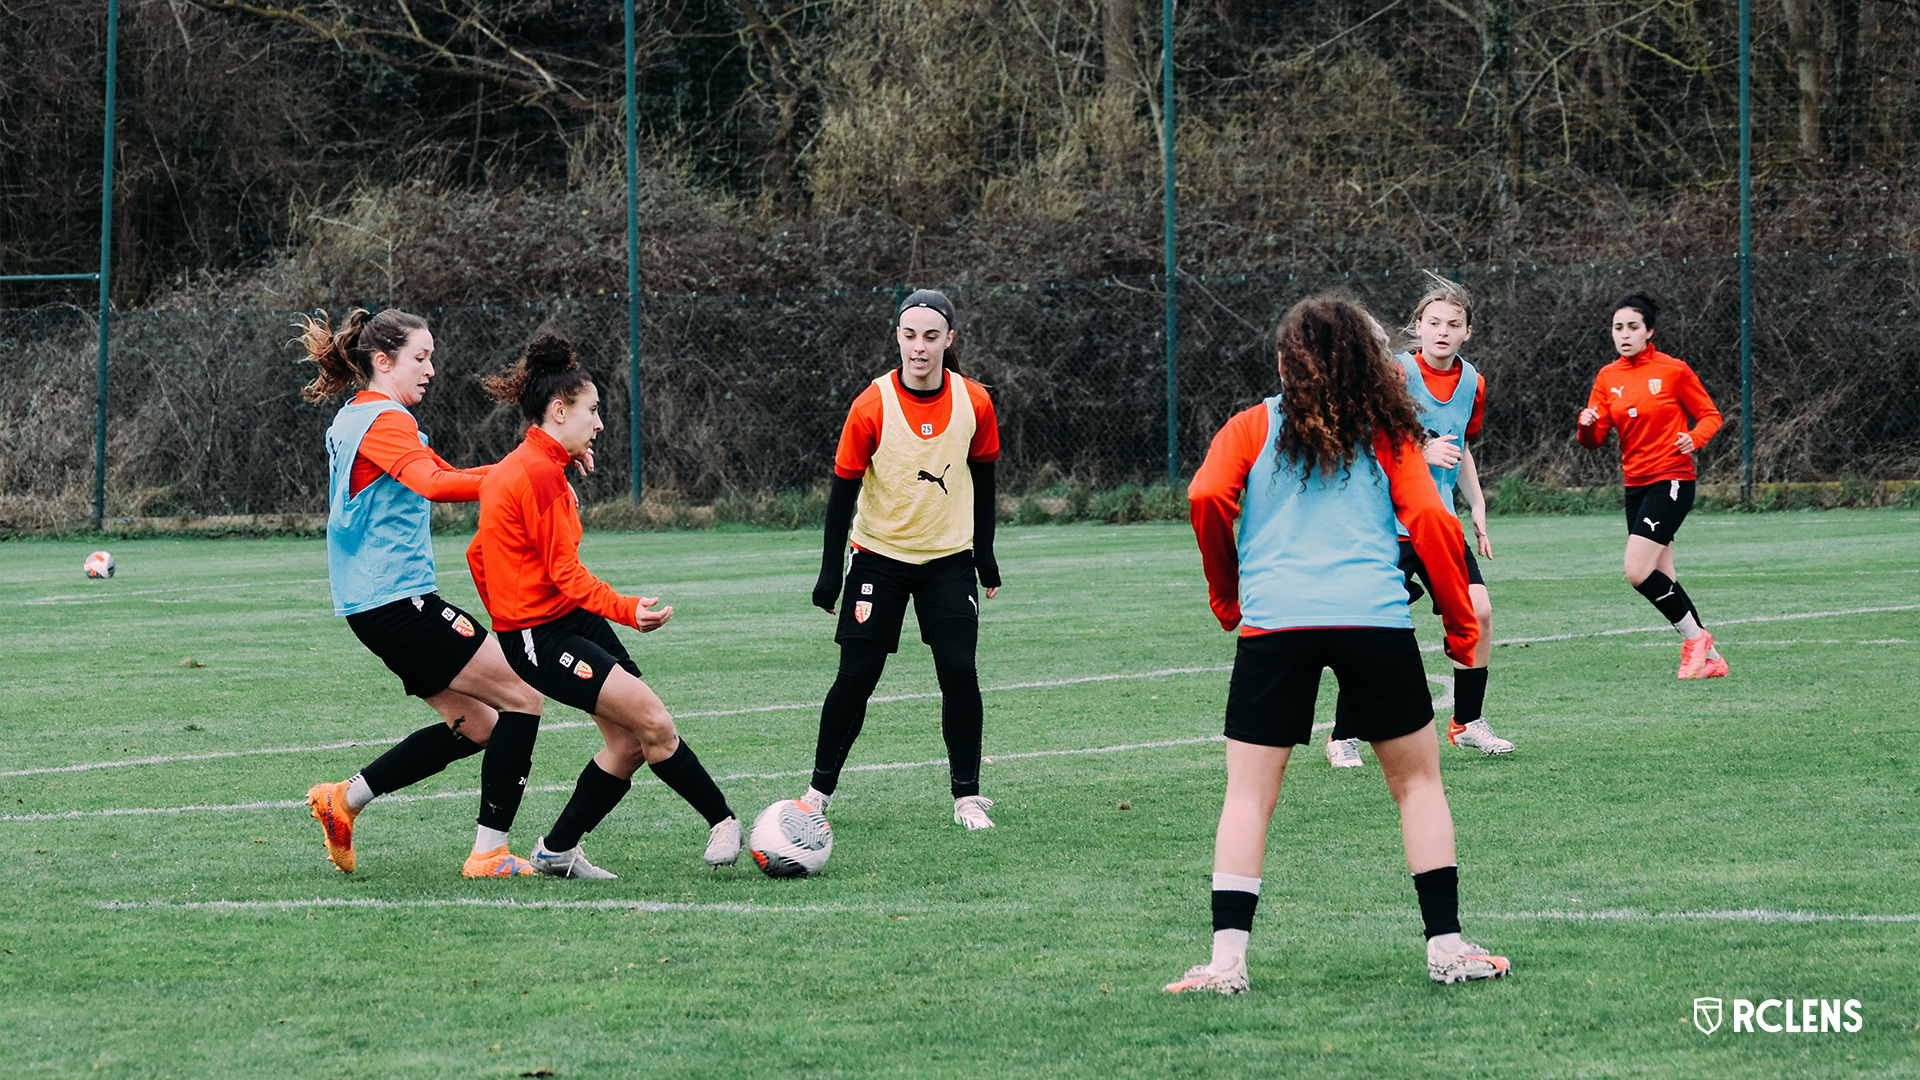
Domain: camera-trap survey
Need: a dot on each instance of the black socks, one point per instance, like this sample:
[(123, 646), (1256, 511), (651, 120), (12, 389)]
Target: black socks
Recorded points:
[(503, 772), (418, 756), (1666, 594), (1233, 909), (1469, 694), (1439, 893), (689, 779), (594, 797), (845, 711)]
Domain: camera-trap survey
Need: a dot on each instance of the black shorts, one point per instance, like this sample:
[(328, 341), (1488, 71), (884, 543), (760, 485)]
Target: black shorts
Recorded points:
[(1276, 677), (423, 639), (1656, 510), (874, 603), (569, 658), (1411, 566)]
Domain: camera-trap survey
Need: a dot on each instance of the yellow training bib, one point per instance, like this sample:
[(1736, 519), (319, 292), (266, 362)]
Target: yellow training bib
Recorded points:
[(916, 501)]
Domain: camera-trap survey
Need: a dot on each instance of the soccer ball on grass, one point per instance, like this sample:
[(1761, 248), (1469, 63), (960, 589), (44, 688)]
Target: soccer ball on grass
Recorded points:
[(99, 565), (791, 839)]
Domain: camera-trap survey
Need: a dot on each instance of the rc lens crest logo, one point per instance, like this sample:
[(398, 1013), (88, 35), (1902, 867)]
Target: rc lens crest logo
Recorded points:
[(1800, 1016)]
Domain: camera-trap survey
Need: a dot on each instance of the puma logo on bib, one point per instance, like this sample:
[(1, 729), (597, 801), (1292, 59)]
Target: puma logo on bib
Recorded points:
[(932, 479)]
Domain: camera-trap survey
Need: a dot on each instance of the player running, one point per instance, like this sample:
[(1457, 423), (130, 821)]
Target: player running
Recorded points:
[(382, 479), (916, 454), (1651, 398), (551, 613), (1318, 476), (1451, 396)]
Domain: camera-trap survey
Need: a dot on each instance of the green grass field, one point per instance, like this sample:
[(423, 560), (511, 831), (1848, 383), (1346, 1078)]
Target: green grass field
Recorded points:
[(170, 912)]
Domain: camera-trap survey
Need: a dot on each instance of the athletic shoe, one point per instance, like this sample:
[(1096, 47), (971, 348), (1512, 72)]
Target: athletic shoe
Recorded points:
[(723, 843), (1470, 962), (817, 799), (328, 802), (1344, 753), (496, 863), (1202, 978), (971, 811), (1714, 668), (571, 863), (1478, 735), (1693, 655)]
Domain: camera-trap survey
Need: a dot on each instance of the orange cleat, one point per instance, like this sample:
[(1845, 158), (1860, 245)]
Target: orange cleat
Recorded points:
[(496, 863), (1693, 655), (1714, 668), (328, 803)]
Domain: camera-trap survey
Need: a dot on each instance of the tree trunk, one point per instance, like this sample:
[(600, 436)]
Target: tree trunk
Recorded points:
[(1804, 47), (1121, 76), (1849, 84)]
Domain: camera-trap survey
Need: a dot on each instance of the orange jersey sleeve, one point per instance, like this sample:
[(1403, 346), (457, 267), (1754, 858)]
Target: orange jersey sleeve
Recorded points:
[(392, 447), (1437, 540), (1213, 498), (860, 435)]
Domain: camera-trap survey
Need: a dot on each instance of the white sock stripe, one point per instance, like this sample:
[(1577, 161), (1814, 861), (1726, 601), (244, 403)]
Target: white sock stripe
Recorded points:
[(1235, 883)]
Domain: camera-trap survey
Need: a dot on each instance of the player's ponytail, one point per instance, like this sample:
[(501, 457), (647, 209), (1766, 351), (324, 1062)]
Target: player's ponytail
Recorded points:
[(547, 370), (345, 358), (1342, 388)]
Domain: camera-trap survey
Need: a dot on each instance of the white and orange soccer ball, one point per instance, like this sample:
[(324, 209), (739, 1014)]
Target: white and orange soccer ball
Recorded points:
[(99, 565), (791, 839)]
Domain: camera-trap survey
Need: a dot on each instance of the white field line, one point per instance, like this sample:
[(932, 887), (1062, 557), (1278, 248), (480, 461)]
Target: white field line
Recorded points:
[(564, 725), (1744, 643), (1714, 625), (1756, 915), (104, 596)]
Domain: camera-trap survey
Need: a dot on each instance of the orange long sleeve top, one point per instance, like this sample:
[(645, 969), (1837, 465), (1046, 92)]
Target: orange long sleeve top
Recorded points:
[(1650, 398), (392, 447), (525, 558), (1215, 493)]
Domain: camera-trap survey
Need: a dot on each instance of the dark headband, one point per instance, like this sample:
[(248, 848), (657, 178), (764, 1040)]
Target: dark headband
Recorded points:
[(930, 299)]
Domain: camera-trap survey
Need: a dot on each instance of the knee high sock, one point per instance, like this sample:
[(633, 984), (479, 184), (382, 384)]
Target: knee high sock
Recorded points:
[(1234, 900), (1439, 893), (1675, 606), (962, 717), (1469, 694), (845, 711), (418, 756), (594, 797), (503, 772), (689, 779)]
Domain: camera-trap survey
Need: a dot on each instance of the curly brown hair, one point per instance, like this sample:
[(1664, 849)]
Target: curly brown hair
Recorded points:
[(1342, 389), (547, 370)]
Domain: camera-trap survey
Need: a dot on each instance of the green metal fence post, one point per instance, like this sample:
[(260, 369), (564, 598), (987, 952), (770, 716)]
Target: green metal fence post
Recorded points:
[(633, 264), (106, 263), (1167, 227), (1746, 251)]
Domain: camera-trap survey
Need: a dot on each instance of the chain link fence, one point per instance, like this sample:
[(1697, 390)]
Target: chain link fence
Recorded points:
[(745, 394)]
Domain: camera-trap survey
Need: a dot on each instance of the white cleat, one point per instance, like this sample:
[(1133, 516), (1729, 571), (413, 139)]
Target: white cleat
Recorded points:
[(571, 863), (1479, 735), (971, 811), (817, 799), (1344, 753), (1203, 978), (723, 843), (1469, 961)]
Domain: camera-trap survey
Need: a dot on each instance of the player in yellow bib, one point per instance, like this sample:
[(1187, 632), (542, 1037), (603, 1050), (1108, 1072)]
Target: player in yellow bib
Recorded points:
[(913, 485)]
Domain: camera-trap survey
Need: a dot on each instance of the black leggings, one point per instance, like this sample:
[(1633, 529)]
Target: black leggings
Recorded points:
[(954, 643)]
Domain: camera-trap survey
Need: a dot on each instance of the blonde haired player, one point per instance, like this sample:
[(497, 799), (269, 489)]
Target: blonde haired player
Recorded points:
[(916, 455), (1451, 395)]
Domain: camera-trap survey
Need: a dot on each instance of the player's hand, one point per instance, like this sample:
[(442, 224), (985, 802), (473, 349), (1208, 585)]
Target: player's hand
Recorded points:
[(993, 592), (1443, 452), (648, 621), (1480, 531), (1458, 652), (1589, 416), (1684, 443), (585, 461), (826, 592)]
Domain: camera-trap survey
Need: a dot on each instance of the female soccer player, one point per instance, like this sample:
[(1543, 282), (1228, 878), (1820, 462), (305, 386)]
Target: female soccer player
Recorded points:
[(1451, 396), (551, 613), (380, 566), (1317, 476), (924, 531), (1652, 398)]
